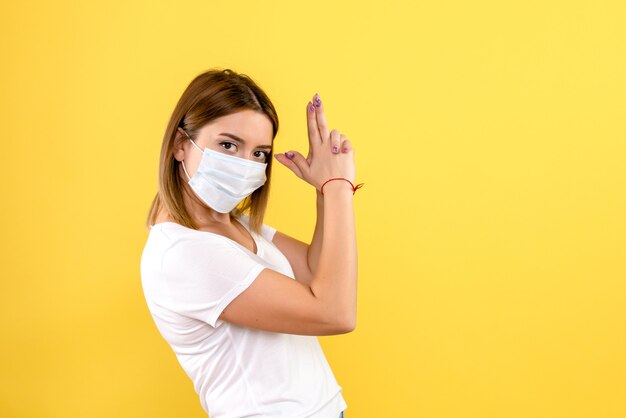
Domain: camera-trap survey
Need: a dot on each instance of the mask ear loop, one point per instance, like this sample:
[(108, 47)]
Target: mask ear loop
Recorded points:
[(192, 141), (183, 161), (186, 173)]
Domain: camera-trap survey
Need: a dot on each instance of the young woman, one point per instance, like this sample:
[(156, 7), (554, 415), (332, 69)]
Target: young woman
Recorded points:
[(240, 303)]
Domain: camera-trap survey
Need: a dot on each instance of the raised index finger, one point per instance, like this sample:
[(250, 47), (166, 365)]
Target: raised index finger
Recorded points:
[(315, 141), (321, 119)]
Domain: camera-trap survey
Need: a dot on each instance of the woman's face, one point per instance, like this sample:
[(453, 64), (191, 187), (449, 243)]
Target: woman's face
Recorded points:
[(245, 134)]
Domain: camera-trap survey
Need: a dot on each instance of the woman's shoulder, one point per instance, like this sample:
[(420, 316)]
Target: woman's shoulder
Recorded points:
[(166, 227), (174, 239), (179, 250)]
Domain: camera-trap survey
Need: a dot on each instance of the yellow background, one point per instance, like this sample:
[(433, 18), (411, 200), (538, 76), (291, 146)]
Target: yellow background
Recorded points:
[(491, 139)]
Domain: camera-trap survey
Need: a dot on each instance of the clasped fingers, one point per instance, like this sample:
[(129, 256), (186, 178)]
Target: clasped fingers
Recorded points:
[(339, 142), (335, 141)]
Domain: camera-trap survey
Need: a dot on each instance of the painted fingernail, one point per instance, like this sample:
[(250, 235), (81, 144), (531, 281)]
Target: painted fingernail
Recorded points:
[(311, 108), (335, 149), (318, 102), (289, 154), (346, 150)]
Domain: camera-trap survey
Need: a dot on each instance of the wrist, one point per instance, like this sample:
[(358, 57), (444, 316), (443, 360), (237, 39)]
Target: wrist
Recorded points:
[(352, 186), (319, 199), (336, 186)]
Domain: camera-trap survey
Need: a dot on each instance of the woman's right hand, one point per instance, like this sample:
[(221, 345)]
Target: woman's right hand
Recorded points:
[(330, 153)]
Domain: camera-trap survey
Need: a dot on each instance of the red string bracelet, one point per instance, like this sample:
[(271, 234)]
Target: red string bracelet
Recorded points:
[(354, 188)]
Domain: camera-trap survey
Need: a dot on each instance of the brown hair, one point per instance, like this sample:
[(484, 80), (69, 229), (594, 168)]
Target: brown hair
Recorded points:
[(212, 94)]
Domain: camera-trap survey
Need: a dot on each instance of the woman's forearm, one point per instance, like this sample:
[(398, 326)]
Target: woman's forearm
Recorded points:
[(313, 253), (335, 279)]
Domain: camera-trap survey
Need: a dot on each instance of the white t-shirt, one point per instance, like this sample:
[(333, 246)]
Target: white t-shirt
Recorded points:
[(188, 279)]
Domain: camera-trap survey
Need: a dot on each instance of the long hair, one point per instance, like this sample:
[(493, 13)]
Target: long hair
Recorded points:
[(212, 94)]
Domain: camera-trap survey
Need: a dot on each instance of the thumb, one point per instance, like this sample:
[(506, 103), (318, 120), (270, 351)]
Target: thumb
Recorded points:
[(299, 161), (286, 161)]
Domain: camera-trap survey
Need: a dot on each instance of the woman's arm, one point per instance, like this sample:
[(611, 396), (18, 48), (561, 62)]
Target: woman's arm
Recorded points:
[(314, 250), (303, 257), (335, 280)]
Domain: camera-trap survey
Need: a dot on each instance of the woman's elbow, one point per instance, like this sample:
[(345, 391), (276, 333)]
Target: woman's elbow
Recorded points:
[(347, 325)]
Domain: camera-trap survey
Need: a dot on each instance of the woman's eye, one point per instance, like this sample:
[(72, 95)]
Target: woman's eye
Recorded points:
[(264, 154), (226, 145)]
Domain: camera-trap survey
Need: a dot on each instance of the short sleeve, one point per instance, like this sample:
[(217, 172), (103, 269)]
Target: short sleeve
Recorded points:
[(205, 275)]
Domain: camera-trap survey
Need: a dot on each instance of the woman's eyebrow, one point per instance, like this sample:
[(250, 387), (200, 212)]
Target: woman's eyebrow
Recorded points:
[(240, 140)]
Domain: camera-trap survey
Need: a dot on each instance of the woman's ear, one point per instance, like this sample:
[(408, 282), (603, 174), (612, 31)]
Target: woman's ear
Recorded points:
[(179, 141)]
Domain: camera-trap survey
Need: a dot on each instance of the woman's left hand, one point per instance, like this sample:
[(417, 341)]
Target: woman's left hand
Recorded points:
[(319, 138)]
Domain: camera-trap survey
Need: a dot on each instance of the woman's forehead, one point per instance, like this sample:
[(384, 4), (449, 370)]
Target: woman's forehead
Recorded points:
[(247, 125)]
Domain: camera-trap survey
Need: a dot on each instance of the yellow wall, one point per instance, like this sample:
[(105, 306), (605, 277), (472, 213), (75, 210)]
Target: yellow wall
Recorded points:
[(491, 139)]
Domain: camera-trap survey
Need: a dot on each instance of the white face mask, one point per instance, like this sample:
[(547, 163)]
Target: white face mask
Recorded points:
[(222, 181)]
